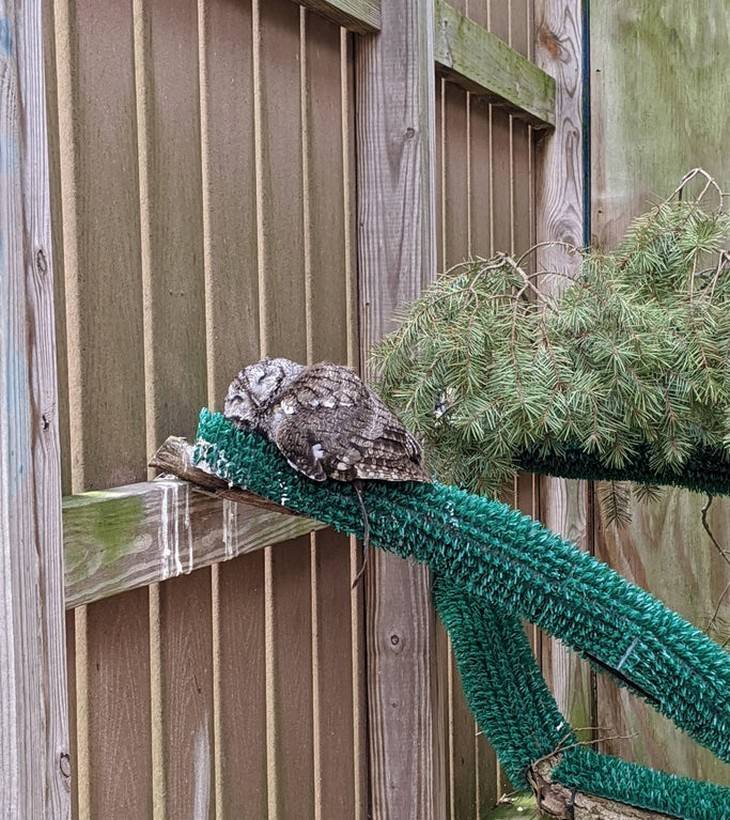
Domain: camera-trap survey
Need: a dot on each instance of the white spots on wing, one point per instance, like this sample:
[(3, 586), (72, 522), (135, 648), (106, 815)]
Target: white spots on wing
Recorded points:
[(329, 402), (317, 452), (342, 465), (314, 403), (287, 408)]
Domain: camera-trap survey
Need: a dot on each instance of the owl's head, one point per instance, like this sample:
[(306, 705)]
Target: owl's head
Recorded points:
[(256, 389)]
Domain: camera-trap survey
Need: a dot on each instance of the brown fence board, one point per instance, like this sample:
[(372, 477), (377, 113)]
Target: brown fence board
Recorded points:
[(185, 717), (166, 50), (241, 700), (229, 182), (113, 708), (101, 240)]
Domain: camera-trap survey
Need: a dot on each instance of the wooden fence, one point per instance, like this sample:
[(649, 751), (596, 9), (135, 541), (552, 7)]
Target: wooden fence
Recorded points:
[(227, 180)]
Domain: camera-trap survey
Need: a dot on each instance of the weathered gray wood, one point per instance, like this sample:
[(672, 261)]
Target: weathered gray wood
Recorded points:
[(362, 16), (555, 800), (559, 216), (34, 713), (481, 62), (397, 255), (127, 537)]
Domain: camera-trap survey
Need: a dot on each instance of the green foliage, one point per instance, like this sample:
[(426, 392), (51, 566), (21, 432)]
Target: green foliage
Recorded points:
[(633, 352)]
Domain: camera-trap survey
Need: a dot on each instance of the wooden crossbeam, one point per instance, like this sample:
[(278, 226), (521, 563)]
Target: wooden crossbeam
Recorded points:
[(132, 536), (361, 16), (482, 63)]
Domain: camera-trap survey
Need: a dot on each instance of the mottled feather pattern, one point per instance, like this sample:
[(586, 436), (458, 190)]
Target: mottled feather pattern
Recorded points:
[(325, 420)]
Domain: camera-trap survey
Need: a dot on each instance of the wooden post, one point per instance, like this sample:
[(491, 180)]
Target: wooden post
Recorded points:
[(395, 86), (33, 716), (565, 504)]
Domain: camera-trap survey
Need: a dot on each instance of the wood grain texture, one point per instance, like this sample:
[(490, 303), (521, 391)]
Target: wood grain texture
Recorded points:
[(135, 535), (671, 58), (278, 48), (559, 204), (362, 16), (229, 180), (101, 242), (113, 708), (185, 718), (485, 64), (241, 700), (397, 255), (340, 786), (168, 117), (34, 715)]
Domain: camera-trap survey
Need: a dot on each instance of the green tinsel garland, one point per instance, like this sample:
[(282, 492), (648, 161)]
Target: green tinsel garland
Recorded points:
[(496, 557)]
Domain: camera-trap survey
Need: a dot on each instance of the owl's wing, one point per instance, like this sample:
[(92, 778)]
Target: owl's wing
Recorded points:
[(336, 426)]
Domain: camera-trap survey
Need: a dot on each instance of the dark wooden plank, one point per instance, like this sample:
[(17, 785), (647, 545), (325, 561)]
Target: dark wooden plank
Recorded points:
[(339, 750), (397, 254), (34, 716), (113, 707), (229, 215), (101, 242), (185, 717), (277, 72), (168, 111), (241, 699)]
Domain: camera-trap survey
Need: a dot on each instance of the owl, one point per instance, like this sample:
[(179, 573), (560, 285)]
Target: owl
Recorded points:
[(325, 421), (327, 424)]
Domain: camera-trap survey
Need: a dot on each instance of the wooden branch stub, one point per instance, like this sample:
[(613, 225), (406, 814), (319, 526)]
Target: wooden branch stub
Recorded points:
[(175, 456), (558, 801)]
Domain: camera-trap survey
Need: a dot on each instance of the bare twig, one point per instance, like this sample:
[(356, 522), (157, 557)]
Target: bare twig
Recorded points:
[(724, 554)]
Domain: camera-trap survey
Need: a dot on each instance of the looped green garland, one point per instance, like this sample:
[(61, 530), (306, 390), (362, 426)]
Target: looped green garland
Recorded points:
[(494, 566)]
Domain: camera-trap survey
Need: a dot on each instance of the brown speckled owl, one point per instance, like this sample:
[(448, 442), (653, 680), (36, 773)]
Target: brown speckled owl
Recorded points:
[(325, 421)]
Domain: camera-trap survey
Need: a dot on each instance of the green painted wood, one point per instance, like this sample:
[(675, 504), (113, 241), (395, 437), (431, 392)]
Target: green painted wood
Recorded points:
[(659, 107), (361, 16), (484, 64)]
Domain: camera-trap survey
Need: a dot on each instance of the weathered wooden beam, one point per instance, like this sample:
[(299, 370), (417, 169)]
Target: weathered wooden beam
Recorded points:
[(132, 536), (395, 83), (34, 714), (362, 16), (482, 63), (555, 800), (565, 504)]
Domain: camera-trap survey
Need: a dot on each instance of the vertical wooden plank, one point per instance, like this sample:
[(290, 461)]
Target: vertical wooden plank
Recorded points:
[(232, 340), (455, 204), (186, 697), (229, 180), (71, 685), (397, 253), (337, 736), (113, 707), (657, 54), (559, 216), (101, 242), (59, 296), (480, 177), (168, 111), (282, 318), (241, 776), (34, 714)]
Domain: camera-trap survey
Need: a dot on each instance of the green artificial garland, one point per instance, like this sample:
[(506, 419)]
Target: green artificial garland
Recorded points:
[(488, 559)]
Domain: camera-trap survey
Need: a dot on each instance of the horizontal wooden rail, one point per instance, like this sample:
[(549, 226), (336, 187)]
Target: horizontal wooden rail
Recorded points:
[(132, 536), (362, 16), (482, 63)]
